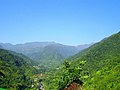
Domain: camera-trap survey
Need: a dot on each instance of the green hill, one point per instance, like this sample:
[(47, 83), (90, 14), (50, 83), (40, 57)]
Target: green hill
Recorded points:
[(102, 63), (26, 59), (15, 72), (101, 71), (53, 55), (48, 54)]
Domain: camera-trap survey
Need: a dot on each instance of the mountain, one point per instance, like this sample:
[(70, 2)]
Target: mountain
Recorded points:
[(15, 72), (84, 46), (6, 45), (101, 71), (102, 64), (26, 59), (1, 46), (99, 52), (49, 54)]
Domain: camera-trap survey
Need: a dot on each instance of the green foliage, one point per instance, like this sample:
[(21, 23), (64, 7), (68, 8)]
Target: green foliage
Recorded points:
[(2, 89), (64, 76), (107, 78), (101, 71), (15, 73), (98, 67), (26, 59), (102, 63)]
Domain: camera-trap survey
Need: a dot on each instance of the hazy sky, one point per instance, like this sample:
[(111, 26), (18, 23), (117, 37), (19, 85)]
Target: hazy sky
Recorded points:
[(70, 22)]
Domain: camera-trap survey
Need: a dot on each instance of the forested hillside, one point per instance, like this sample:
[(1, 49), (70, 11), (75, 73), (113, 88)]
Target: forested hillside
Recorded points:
[(15, 71), (95, 68), (102, 64), (26, 59), (47, 54), (100, 72)]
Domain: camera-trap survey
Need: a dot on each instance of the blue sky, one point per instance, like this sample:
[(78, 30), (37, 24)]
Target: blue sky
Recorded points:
[(70, 22)]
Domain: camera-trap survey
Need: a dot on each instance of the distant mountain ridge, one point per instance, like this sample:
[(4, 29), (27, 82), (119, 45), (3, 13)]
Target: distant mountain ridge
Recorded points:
[(84, 46), (45, 53), (1, 46)]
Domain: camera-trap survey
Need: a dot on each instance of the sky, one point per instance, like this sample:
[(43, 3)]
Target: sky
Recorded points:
[(69, 22)]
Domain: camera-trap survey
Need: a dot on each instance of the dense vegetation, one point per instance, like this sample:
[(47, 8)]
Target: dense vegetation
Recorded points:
[(102, 64), (101, 71), (95, 68), (47, 54), (15, 72), (26, 59), (64, 76)]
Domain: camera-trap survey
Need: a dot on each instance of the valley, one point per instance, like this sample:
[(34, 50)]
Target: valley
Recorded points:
[(45, 54), (53, 66), (51, 53), (59, 44)]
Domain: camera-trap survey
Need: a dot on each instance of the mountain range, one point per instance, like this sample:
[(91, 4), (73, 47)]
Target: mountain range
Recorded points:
[(49, 54), (95, 68)]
